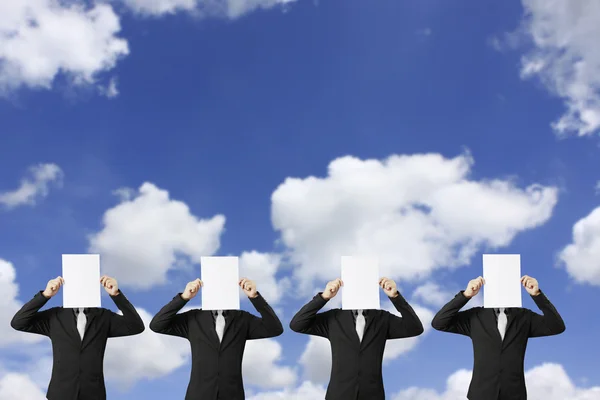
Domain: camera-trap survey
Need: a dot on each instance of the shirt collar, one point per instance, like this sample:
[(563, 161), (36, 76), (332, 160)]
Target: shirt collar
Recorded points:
[(215, 313)]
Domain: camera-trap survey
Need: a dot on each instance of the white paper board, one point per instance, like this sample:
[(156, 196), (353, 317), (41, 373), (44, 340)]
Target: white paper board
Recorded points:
[(81, 273), (220, 278), (502, 274), (361, 283)]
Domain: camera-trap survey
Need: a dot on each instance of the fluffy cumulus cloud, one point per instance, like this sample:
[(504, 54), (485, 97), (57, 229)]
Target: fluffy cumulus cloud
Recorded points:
[(544, 382), (581, 256), (9, 305), (206, 8), (261, 365), (144, 356), (145, 235), (34, 187), (431, 293), (417, 213), (306, 391), (566, 58), (19, 386), (262, 268), (40, 39)]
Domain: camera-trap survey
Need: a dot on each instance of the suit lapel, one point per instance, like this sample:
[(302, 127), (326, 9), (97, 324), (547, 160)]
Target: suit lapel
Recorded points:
[(69, 323), (508, 335), (229, 321), (348, 326), (491, 324), (90, 330), (367, 337), (207, 325)]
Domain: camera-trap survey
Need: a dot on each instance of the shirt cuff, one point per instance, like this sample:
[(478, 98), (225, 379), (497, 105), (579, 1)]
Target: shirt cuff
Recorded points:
[(258, 300), (40, 296), (461, 296), (399, 300), (319, 298), (540, 298), (180, 299)]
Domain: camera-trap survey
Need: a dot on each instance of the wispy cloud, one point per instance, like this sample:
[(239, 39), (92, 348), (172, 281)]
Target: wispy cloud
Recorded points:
[(33, 188)]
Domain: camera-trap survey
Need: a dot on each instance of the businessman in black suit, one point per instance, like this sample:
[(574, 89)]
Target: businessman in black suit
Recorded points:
[(217, 339), (499, 338), (78, 339), (357, 339)]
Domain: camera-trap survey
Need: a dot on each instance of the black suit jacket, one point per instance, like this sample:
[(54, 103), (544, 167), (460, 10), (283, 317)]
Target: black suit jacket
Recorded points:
[(498, 370), (77, 370), (356, 366), (216, 366)]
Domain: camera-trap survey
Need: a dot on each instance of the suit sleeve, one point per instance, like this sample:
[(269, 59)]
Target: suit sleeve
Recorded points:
[(128, 324), (551, 323), (30, 319), (309, 322), (266, 327), (168, 322), (451, 319), (409, 325)]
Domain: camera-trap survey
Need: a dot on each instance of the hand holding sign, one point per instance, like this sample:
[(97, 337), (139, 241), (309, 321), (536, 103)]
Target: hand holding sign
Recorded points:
[(389, 287), (249, 287), (474, 287), (53, 286), (531, 285), (332, 288), (191, 289), (110, 285)]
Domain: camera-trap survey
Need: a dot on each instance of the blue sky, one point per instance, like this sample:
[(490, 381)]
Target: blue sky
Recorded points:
[(232, 114)]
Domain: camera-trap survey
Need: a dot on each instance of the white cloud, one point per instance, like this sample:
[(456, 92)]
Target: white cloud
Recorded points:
[(110, 91), (260, 365), (306, 391), (544, 382), (40, 39), (9, 305), (566, 58), (262, 268), (316, 360), (431, 293), (144, 356), (144, 236), (582, 255), (19, 386), (34, 188), (418, 213), (206, 8)]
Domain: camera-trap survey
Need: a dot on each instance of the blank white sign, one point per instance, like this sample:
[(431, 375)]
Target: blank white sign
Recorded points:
[(220, 277), (502, 274), (81, 273), (361, 283)]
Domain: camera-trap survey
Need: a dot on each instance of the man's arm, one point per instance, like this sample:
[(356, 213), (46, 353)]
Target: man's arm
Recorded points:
[(30, 319), (266, 327), (168, 322), (128, 324), (409, 325), (551, 323), (451, 319), (309, 322)]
